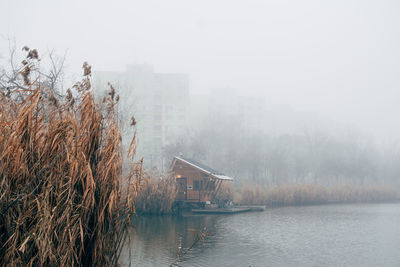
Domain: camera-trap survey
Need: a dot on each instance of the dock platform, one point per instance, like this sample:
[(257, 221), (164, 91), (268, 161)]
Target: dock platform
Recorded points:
[(220, 210), (232, 210), (253, 208)]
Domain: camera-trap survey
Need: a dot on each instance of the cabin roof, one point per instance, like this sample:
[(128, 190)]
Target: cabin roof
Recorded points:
[(204, 168)]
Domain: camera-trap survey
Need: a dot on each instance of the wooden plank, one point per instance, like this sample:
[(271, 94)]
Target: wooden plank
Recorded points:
[(220, 211), (210, 184)]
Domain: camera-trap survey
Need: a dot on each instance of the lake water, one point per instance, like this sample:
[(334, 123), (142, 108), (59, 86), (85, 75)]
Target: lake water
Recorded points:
[(331, 235)]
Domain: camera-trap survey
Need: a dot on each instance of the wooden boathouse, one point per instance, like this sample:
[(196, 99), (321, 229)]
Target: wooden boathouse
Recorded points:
[(196, 182)]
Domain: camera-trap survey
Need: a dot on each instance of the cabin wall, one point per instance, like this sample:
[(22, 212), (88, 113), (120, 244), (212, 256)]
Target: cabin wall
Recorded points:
[(206, 185)]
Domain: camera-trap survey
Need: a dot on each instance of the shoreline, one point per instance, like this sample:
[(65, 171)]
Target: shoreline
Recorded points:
[(198, 214)]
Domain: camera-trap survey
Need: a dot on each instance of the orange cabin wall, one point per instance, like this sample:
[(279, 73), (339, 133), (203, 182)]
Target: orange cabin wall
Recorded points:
[(207, 184)]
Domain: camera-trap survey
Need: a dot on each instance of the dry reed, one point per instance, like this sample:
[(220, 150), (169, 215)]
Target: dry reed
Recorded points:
[(225, 194), (60, 173), (251, 195), (289, 195), (157, 194)]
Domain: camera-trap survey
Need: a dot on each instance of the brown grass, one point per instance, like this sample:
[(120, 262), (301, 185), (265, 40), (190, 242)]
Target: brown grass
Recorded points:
[(157, 194), (250, 195), (288, 195), (225, 193), (348, 193), (60, 171)]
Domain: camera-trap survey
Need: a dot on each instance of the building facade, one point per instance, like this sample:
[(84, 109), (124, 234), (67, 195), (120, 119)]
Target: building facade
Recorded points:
[(159, 102)]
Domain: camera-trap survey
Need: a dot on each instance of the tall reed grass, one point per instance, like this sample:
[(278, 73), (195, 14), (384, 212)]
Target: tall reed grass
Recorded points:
[(225, 194), (157, 194), (287, 195), (61, 201)]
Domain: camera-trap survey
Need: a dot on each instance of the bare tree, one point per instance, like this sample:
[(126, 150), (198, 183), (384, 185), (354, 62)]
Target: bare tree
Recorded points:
[(18, 73)]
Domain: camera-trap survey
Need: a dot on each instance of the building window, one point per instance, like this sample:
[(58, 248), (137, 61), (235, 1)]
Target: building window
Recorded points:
[(196, 185)]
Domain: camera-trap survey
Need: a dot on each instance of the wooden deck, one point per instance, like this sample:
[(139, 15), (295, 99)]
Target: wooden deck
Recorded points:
[(220, 210), (232, 210), (253, 208)]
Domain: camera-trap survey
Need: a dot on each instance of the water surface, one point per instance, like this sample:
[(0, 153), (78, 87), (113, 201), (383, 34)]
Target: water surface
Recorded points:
[(331, 235)]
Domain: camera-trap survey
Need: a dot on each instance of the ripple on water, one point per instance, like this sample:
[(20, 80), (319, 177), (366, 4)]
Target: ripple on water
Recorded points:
[(334, 235)]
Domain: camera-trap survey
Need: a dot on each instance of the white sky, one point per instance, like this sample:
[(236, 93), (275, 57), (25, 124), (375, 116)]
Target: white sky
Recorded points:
[(340, 59)]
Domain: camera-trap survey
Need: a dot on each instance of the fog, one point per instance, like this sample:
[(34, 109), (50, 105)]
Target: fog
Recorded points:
[(324, 67), (267, 130), (337, 58)]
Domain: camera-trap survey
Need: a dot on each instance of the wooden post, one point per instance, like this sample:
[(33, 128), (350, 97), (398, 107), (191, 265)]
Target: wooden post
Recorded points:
[(219, 182)]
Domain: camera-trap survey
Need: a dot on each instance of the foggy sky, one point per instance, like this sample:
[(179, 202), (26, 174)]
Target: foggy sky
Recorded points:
[(340, 59)]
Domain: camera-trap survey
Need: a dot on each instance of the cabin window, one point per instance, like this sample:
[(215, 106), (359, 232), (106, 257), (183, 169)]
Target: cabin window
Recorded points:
[(196, 185)]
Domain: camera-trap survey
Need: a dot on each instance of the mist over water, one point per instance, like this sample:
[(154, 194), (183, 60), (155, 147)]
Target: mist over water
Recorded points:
[(346, 235), (298, 101)]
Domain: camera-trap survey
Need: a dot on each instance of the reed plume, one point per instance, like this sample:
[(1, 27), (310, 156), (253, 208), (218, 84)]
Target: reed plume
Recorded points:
[(61, 198)]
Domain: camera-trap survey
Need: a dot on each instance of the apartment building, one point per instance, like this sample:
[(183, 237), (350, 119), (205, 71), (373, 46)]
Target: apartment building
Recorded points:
[(159, 102)]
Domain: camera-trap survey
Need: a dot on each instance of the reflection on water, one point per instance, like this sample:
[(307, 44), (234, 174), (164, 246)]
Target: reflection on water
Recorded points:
[(336, 235), (160, 240)]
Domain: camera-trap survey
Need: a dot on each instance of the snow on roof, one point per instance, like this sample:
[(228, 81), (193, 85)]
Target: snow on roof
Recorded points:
[(205, 169), (224, 177)]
